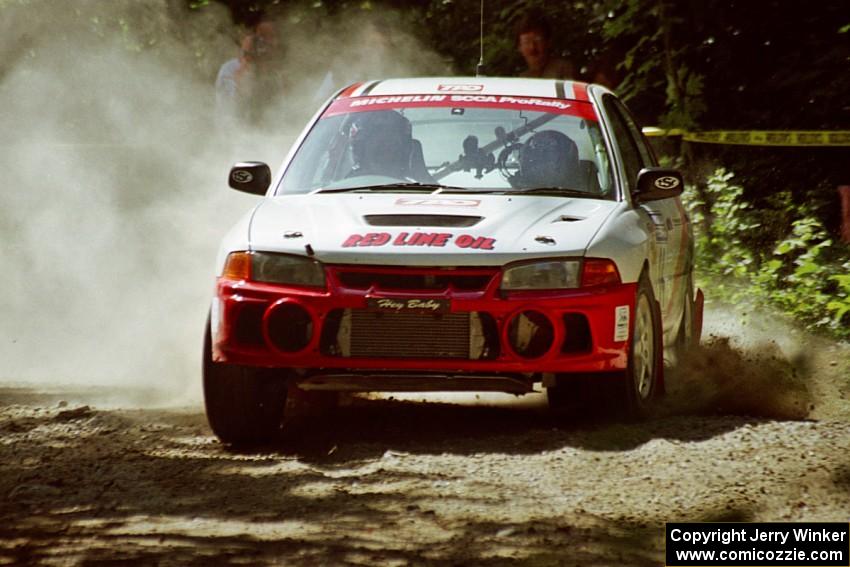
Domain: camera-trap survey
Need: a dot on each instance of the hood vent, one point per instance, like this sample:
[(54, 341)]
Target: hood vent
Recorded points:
[(450, 221), (568, 218)]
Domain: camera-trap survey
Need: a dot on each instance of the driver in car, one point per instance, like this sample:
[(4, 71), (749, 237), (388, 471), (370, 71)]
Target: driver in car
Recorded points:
[(380, 144), (549, 159)]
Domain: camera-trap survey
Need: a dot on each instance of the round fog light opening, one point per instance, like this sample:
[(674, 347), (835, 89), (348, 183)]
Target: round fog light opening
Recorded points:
[(289, 327), (531, 334)]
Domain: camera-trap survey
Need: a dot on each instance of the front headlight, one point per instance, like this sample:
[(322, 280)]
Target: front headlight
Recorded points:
[(551, 274), (269, 267)]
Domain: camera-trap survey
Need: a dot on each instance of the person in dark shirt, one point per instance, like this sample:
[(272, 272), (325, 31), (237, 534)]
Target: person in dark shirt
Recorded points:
[(533, 40)]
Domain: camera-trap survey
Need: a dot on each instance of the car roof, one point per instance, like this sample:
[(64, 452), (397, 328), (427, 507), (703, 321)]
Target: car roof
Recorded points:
[(500, 86)]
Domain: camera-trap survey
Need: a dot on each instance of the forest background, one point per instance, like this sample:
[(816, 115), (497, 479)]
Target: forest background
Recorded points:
[(767, 219)]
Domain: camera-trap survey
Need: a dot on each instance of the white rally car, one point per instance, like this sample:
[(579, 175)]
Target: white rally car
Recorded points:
[(436, 234)]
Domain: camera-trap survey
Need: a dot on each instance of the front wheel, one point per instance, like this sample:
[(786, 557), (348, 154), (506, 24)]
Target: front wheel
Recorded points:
[(244, 405), (628, 393), (640, 385)]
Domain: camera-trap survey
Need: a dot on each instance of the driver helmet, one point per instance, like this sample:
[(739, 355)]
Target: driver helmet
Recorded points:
[(380, 143), (549, 159)]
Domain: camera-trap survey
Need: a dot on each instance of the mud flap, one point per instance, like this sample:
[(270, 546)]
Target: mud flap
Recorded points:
[(699, 302), (659, 347)]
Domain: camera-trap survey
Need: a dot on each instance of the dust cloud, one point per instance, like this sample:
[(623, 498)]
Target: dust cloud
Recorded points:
[(114, 197), (719, 377), (749, 363)]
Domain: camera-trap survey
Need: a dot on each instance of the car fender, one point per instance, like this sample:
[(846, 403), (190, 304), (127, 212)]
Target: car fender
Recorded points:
[(625, 239), (237, 238)]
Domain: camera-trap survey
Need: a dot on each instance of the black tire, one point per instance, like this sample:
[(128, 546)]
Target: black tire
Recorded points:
[(640, 384), (244, 405)]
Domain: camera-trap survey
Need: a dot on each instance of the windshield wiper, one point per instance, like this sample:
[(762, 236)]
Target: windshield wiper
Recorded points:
[(401, 186), (555, 191)]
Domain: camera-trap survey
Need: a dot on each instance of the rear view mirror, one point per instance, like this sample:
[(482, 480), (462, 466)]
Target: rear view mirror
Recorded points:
[(654, 183), (251, 177)]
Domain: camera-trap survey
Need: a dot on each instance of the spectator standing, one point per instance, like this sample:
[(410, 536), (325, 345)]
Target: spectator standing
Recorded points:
[(246, 85), (533, 40)]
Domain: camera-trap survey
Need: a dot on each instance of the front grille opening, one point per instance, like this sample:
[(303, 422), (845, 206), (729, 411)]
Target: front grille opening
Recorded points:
[(577, 337), (452, 221), (491, 348), (530, 334), (248, 328), (329, 342), (408, 282)]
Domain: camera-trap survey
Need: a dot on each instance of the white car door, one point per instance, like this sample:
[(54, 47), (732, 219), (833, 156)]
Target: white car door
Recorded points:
[(673, 234)]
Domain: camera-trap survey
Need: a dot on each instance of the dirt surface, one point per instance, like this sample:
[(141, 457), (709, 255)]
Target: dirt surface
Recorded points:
[(398, 482)]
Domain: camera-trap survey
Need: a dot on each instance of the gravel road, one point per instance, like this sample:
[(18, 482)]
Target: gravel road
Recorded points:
[(747, 435)]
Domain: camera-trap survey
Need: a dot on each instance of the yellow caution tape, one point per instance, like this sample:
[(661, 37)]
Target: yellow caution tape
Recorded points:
[(654, 131), (759, 137)]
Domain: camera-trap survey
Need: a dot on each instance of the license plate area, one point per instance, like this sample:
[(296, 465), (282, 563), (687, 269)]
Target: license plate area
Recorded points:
[(424, 306)]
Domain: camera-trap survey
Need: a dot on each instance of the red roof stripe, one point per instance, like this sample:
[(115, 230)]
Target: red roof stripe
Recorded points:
[(349, 90), (580, 91)]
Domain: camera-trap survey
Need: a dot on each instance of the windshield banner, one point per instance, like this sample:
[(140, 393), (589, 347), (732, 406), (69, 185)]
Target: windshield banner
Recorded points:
[(504, 102)]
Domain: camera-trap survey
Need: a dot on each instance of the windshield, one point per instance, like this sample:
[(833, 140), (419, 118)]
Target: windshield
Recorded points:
[(453, 143)]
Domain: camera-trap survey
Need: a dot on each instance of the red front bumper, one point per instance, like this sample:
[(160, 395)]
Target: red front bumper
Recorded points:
[(245, 311)]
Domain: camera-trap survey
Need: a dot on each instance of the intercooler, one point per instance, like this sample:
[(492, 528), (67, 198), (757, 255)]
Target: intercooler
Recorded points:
[(365, 333), (408, 335)]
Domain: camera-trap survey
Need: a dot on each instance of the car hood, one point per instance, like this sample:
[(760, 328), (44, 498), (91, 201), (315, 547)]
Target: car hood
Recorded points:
[(427, 230)]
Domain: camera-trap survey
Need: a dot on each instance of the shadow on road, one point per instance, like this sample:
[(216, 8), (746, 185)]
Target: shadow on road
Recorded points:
[(371, 427), (354, 486)]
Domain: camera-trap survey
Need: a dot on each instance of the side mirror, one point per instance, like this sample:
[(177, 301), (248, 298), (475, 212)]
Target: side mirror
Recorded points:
[(251, 177), (654, 183)]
